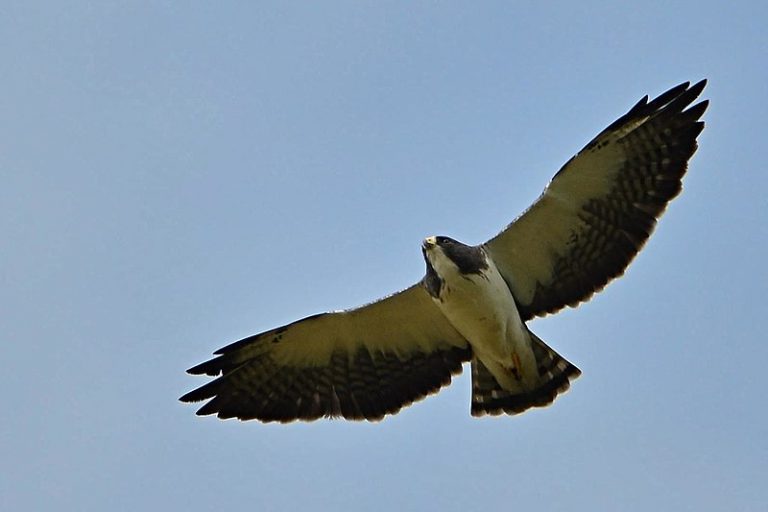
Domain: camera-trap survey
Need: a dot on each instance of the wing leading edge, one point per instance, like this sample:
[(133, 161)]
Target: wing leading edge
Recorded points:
[(601, 206), (358, 364)]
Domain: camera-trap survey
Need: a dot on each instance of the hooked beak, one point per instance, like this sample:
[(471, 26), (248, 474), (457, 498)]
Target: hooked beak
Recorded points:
[(428, 243)]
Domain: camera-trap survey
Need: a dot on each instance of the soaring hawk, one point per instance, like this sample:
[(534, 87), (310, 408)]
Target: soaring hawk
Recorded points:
[(473, 302)]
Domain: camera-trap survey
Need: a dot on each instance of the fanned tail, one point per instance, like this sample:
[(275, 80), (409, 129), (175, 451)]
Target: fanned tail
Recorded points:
[(555, 375)]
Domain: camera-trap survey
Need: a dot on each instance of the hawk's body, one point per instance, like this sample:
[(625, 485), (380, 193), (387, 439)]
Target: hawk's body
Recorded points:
[(475, 299), (480, 306), (473, 303)]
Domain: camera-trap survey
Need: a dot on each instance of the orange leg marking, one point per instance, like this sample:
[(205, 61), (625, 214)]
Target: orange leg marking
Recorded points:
[(517, 370)]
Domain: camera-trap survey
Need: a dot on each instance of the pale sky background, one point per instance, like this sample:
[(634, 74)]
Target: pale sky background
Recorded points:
[(176, 176)]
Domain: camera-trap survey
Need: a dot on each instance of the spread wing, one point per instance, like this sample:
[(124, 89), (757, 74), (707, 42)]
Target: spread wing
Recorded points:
[(601, 207), (361, 363)]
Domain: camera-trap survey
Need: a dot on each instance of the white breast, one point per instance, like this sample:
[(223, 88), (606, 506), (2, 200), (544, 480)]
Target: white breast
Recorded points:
[(481, 307)]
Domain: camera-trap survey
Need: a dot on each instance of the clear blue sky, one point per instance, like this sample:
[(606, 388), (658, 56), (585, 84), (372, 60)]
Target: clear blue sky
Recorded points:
[(176, 178)]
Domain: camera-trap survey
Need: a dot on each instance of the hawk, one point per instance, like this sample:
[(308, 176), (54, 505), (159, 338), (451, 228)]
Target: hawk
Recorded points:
[(474, 301)]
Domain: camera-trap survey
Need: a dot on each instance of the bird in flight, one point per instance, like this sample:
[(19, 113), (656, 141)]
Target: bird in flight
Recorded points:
[(474, 301)]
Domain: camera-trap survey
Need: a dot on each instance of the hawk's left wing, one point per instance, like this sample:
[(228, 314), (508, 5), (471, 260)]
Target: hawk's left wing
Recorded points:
[(360, 363), (601, 207)]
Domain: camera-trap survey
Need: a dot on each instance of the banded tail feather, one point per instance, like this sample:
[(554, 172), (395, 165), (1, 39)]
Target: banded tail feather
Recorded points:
[(555, 375)]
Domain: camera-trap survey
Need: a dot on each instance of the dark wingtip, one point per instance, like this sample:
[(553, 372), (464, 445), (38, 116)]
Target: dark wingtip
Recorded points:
[(698, 109), (697, 88), (208, 409), (187, 398), (640, 105), (678, 89), (700, 84), (675, 100), (212, 367)]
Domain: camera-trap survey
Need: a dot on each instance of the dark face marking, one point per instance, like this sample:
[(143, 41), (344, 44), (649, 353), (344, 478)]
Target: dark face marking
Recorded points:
[(432, 281), (469, 259)]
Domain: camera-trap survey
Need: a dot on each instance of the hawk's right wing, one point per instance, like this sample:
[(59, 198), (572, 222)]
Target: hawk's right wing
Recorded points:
[(601, 207), (361, 363)]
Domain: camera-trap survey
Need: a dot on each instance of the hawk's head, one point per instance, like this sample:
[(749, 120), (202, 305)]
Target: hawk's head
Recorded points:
[(445, 256)]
